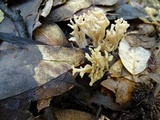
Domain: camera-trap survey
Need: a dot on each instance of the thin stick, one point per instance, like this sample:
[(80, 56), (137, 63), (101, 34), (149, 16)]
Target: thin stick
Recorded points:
[(16, 18)]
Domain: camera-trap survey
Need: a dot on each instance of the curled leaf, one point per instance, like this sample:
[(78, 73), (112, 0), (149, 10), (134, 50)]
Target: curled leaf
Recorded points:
[(121, 87), (51, 34)]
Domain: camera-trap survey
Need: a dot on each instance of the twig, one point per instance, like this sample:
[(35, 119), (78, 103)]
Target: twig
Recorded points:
[(16, 18), (20, 41)]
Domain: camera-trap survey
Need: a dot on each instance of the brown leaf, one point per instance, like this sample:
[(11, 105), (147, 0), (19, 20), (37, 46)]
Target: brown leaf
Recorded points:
[(58, 2), (67, 10), (137, 39), (156, 52), (55, 87), (43, 104), (121, 87), (155, 77), (51, 34), (19, 104), (35, 65), (116, 69), (105, 2), (69, 114)]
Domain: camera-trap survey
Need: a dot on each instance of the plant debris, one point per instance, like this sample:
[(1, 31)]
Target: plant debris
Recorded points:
[(88, 59)]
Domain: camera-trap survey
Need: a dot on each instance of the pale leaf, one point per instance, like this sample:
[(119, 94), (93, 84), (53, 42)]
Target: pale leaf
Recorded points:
[(134, 59)]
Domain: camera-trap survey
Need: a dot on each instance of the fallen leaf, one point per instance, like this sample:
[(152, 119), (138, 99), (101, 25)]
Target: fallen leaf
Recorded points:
[(69, 114), (67, 10), (19, 104), (14, 114), (151, 12), (138, 39), (1, 16), (58, 2), (116, 69), (103, 117), (51, 34), (29, 11), (156, 52), (134, 59), (146, 29), (29, 16), (121, 87), (35, 66), (155, 77), (129, 12), (47, 8), (106, 101), (43, 103), (104, 2)]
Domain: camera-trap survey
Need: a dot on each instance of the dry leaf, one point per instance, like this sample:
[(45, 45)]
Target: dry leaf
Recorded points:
[(29, 10), (103, 117), (121, 87), (69, 114), (46, 10), (156, 52), (1, 16), (67, 10), (18, 105), (155, 77), (138, 39), (43, 103), (58, 2), (104, 2), (35, 66), (51, 34), (151, 12), (116, 69), (134, 59)]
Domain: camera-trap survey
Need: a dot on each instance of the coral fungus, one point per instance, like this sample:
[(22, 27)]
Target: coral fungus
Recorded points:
[(99, 65), (93, 24)]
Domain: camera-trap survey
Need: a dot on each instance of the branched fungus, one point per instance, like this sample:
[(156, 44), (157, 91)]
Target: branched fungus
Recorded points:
[(93, 24), (99, 65)]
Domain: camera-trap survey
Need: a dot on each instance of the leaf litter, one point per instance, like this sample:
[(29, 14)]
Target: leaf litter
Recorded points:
[(118, 62)]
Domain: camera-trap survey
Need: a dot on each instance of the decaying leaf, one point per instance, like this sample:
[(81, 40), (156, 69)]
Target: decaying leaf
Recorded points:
[(121, 87), (51, 34), (103, 117), (126, 12), (104, 2), (151, 12), (58, 2), (1, 16), (146, 29), (137, 39), (106, 101), (156, 52), (43, 103), (46, 10), (29, 11), (155, 77), (14, 114), (116, 69), (69, 114), (35, 65), (134, 59), (68, 9), (18, 105)]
